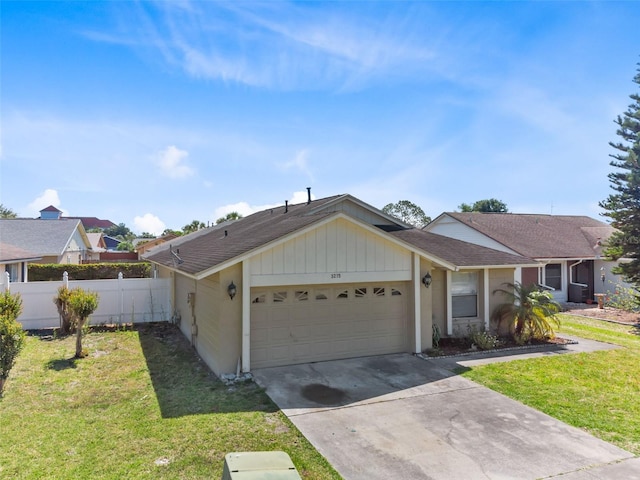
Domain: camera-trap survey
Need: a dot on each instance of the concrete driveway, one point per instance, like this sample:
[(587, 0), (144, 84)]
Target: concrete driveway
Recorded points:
[(402, 417)]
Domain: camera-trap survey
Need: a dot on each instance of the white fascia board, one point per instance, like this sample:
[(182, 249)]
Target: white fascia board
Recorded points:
[(511, 265)]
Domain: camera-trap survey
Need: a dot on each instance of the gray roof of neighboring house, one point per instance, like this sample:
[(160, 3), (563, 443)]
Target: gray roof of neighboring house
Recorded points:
[(213, 246), (457, 252), (42, 237), (541, 236), (11, 254)]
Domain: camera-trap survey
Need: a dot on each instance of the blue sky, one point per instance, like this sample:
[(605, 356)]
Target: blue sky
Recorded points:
[(154, 114)]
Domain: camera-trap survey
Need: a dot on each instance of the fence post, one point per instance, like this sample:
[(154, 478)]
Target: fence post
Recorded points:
[(121, 289), (6, 285), (65, 280)]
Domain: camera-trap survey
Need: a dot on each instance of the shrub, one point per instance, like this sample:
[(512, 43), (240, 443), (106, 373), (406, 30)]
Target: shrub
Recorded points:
[(67, 320), (82, 303), (484, 340), (12, 337), (90, 271), (624, 299)]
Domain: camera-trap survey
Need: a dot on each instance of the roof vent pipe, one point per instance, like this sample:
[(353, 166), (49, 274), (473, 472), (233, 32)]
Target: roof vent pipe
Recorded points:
[(226, 233), (286, 206), (308, 195)]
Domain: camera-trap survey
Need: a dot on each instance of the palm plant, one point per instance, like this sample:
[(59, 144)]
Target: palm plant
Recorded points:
[(529, 312)]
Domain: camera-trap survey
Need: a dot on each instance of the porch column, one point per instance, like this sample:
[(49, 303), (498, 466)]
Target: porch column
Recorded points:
[(517, 275), (417, 313), (485, 283), (449, 303), (246, 315)]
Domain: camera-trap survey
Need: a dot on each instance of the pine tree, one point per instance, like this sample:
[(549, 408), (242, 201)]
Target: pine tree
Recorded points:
[(623, 206)]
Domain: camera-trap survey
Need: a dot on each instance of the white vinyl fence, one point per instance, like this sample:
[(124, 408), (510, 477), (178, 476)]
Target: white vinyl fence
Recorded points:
[(125, 300)]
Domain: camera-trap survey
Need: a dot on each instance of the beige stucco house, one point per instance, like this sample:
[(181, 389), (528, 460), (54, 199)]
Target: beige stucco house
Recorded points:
[(329, 279)]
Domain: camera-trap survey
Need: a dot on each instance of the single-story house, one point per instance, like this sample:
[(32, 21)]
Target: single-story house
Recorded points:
[(58, 240), (14, 261), (144, 245), (328, 279), (567, 247)]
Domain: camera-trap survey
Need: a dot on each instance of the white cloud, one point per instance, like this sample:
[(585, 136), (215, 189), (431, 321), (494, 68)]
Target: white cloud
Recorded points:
[(171, 163), (300, 162), (148, 223), (48, 197), (245, 209)]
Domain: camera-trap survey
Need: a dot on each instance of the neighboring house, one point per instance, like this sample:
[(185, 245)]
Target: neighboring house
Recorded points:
[(111, 242), (98, 246), (144, 245), (93, 223), (14, 261), (54, 240), (568, 247), (333, 278)]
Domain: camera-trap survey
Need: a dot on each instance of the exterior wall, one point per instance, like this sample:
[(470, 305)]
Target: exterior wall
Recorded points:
[(438, 292), (529, 275), (611, 280), (210, 319), (497, 278), (452, 228), (426, 306), (338, 252)]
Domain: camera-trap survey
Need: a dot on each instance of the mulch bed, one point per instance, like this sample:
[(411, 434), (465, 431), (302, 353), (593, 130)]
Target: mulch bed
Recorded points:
[(456, 346)]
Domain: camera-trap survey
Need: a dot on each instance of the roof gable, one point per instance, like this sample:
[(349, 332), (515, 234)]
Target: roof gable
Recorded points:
[(42, 237)]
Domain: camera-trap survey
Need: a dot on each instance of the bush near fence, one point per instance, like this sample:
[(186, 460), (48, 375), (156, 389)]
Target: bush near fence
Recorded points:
[(90, 271)]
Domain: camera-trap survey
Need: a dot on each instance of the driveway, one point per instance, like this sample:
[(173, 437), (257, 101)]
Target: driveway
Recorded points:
[(402, 417)]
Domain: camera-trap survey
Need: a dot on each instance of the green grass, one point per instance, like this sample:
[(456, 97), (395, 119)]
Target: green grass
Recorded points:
[(140, 406), (598, 392)]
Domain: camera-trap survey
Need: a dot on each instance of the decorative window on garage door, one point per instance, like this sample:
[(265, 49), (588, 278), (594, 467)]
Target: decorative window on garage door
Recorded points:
[(260, 298), (279, 297), (301, 295)]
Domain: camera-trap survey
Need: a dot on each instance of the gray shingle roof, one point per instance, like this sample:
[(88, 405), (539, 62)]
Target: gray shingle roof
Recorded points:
[(540, 236), (210, 247), (11, 254), (42, 237), (457, 252)]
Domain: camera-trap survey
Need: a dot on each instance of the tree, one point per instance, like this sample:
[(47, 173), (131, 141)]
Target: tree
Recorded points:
[(527, 313), (169, 231), (82, 303), (623, 206), (121, 231), (125, 246), (67, 323), (147, 235), (408, 212), (229, 216), (194, 226), (490, 205), (12, 337), (6, 212)]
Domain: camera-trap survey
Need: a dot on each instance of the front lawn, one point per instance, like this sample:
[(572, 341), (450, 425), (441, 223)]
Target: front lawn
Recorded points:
[(140, 406), (598, 392)]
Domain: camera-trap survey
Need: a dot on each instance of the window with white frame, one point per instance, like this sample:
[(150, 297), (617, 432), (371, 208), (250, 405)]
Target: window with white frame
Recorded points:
[(464, 294), (553, 275)]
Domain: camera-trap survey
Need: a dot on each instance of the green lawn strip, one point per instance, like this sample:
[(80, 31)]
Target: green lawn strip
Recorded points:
[(142, 405), (597, 392)]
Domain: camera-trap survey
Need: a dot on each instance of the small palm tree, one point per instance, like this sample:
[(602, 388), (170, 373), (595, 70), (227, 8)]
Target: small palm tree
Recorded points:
[(82, 304), (528, 311)]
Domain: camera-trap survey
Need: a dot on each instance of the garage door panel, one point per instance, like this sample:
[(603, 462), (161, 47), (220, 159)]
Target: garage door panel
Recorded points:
[(313, 324)]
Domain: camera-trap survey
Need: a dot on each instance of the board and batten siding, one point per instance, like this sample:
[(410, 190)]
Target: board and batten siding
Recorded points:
[(361, 213), (452, 228), (336, 252)]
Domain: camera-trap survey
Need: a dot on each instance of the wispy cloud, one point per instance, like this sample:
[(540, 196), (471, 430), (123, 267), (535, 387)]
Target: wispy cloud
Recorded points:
[(246, 209), (46, 198), (171, 161), (300, 163), (281, 46)]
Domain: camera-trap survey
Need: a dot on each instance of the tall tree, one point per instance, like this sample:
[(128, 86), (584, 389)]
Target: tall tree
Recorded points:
[(6, 212), (623, 206), (408, 212), (229, 216), (490, 205), (121, 231), (194, 226)]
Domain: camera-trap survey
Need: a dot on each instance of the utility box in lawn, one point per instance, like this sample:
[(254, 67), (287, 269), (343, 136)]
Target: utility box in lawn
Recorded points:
[(259, 466)]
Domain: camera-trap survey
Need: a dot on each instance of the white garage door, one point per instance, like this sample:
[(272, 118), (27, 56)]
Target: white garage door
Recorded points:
[(305, 324)]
